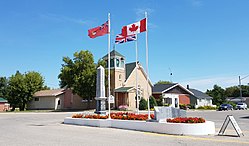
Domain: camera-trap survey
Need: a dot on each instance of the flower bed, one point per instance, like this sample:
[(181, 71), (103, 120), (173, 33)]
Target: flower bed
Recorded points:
[(158, 127), (186, 120), (119, 116)]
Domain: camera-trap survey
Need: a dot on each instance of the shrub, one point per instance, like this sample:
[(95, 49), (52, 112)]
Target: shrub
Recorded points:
[(159, 101), (232, 103), (186, 120), (207, 108), (152, 102), (183, 106), (191, 106), (166, 104), (143, 104)]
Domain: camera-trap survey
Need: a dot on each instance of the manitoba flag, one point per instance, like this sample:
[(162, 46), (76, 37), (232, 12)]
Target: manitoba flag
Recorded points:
[(98, 31), (122, 39), (134, 28)]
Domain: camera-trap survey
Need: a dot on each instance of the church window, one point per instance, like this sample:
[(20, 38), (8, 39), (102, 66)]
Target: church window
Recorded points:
[(117, 62), (120, 76), (112, 62)]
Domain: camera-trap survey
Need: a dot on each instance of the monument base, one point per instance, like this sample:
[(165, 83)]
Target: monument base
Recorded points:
[(100, 106), (100, 112)]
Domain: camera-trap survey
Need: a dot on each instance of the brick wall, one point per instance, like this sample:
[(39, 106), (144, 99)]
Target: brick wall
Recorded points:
[(184, 99)]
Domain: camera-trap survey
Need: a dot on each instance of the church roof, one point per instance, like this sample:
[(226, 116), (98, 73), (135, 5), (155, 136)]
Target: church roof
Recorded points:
[(123, 89), (113, 53), (129, 67)]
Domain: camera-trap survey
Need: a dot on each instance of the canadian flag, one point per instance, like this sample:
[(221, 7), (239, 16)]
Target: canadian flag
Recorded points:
[(134, 28)]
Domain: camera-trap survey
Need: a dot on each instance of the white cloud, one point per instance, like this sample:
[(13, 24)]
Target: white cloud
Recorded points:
[(56, 17), (207, 83), (140, 13)]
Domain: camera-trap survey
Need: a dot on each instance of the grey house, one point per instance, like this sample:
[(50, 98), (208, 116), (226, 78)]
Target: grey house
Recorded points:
[(200, 99)]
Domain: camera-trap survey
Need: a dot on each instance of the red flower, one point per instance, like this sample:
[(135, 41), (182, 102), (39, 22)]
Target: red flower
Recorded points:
[(186, 120)]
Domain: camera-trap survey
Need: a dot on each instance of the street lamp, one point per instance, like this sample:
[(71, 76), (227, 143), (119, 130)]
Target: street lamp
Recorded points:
[(240, 90)]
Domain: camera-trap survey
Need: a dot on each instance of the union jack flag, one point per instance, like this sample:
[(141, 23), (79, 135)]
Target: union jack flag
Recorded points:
[(122, 39)]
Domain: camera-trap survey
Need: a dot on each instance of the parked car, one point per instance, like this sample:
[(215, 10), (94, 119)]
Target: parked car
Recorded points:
[(226, 107), (241, 105)]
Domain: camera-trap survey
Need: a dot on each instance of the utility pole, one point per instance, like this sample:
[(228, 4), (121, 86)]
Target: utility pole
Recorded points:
[(240, 90)]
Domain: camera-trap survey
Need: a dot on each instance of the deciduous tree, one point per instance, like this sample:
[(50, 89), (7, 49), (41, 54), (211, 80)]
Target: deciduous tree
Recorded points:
[(218, 95), (22, 87), (163, 82), (79, 74)]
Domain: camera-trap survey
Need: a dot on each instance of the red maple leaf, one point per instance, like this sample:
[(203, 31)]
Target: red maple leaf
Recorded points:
[(133, 28)]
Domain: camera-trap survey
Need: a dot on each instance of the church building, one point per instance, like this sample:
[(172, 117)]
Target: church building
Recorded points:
[(123, 81)]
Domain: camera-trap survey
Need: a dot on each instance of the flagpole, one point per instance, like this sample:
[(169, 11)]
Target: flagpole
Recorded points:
[(109, 78), (136, 74), (147, 66)]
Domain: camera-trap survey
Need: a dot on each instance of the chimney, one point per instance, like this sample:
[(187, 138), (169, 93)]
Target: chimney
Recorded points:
[(187, 86)]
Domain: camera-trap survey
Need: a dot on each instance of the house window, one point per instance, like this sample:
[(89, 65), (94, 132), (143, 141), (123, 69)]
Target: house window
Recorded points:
[(167, 101), (37, 99), (59, 102), (120, 76)]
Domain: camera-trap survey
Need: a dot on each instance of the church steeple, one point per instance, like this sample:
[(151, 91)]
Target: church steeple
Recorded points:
[(117, 68), (117, 61)]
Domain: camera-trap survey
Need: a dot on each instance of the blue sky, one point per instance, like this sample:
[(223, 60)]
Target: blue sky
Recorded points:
[(202, 42)]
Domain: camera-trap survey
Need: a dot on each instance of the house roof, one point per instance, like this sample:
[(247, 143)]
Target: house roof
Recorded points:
[(163, 88), (123, 89), (159, 88), (200, 94), (236, 99), (113, 53), (2, 100), (43, 93)]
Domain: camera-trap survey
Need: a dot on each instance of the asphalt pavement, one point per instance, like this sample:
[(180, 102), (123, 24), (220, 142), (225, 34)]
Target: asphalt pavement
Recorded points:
[(26, 129)]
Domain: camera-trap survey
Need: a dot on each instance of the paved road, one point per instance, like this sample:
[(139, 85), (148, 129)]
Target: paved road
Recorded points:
[(26, 129)]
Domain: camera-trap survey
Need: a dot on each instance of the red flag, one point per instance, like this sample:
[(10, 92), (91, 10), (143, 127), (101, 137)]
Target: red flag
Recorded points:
[(98, 31), (134, 28)]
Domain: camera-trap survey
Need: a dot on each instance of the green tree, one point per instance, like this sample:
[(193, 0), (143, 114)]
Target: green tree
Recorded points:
[(143, 104), (245, 90), (152, 102), (3, 86), (218, 94), (22, 87), (79, 74), (15, 88), (33, 82), (159, 101), (232, 91), (163, 82)]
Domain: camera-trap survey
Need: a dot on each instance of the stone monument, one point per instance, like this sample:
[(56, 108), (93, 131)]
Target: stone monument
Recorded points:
[(100, 91), (162, 113)]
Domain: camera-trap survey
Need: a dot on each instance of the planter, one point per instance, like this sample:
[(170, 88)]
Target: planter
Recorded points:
[(158, 127), (88, 122)]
